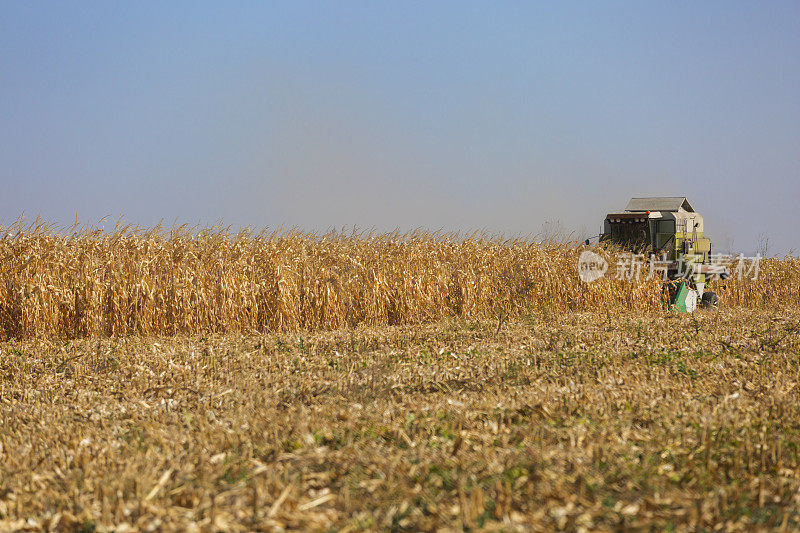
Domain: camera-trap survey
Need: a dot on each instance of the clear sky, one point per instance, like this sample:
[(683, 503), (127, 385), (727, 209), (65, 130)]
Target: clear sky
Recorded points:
[(508, 117)]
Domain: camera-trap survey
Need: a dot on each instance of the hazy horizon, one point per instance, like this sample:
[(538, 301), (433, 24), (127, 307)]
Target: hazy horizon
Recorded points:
[(510, 118)]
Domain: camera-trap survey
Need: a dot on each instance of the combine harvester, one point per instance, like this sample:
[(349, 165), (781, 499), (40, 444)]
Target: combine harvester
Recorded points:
[(669, 232)]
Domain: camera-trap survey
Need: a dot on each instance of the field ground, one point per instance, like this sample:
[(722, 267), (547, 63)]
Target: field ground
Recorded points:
[(579, 422)]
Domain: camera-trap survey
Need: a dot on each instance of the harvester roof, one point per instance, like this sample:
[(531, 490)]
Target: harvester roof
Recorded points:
[(659, 203)]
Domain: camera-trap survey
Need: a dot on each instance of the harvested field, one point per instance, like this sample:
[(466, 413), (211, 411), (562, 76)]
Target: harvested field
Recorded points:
[(576, 421)]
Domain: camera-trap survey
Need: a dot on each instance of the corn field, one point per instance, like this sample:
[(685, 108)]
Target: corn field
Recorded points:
[(204, 380), (131, 280)]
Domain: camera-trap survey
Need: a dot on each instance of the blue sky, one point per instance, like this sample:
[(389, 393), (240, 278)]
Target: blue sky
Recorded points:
[(509, 117)]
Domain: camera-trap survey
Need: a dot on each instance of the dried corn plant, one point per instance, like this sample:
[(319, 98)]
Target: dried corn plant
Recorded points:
[(86, 281)]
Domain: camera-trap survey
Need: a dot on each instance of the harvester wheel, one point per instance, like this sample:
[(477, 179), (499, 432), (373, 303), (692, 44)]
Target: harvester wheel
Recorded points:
[(709, 300)]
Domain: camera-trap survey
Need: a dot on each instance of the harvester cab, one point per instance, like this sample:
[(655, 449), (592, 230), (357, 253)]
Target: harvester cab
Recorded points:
[(670, 232)]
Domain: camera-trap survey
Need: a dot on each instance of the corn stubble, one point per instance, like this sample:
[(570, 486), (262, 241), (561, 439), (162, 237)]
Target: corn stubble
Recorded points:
[(156, 282), (582, 422)]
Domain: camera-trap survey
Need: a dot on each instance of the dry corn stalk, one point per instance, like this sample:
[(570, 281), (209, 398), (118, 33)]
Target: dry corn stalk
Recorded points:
[(87, 281)]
